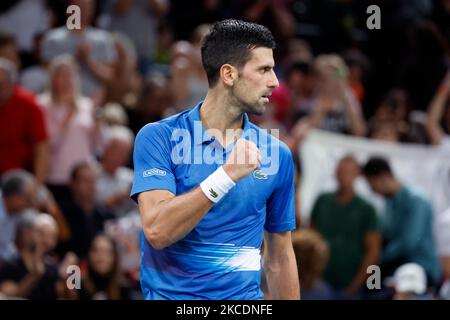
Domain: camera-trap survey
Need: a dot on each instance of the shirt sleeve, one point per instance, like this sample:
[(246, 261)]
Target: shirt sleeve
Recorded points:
[(281, 204), (152, 161)]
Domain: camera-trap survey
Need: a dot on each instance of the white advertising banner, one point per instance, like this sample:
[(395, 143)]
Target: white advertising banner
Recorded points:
[(425, 167)]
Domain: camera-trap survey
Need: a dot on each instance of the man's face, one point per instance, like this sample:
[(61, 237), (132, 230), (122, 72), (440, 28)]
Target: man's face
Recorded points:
[(116, 155), (17, 203), (47, 236), (10, 52), (378, 184), (346, 173), (256, 82), (83, 186)]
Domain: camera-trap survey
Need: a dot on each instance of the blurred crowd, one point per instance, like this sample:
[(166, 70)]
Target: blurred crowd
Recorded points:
[(72, 101)]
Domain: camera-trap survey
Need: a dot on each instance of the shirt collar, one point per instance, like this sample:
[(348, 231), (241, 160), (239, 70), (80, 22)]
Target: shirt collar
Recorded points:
[(195, 122)]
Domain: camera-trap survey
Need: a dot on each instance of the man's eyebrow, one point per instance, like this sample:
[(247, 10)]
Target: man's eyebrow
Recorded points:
[(264, 66)]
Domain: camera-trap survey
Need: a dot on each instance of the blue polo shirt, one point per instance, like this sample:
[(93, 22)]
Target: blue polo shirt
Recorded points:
[(220, 258)]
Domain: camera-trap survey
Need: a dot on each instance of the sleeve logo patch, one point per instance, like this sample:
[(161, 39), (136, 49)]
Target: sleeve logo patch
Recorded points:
[(154, 172)]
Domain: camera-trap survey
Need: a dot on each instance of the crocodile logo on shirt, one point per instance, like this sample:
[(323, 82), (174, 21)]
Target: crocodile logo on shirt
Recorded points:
[(259, 175), (213, 193)]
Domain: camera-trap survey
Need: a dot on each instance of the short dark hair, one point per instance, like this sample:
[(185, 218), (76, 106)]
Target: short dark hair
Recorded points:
[(231, 41), (13, 182), (376, 166)]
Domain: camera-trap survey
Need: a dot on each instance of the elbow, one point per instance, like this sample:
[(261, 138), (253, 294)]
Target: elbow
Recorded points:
[(157, 239)]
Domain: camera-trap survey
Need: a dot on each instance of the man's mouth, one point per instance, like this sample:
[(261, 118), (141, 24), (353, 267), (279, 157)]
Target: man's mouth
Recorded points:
[(266, 96)]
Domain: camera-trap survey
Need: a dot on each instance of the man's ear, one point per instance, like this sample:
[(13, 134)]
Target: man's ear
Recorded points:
[(228, 74)]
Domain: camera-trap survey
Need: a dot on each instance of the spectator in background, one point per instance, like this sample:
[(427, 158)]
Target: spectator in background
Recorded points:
[(438, 119), (335, 107), (24, 20), (298, 51), (70, 123), (425, 59), (20, 191), (358, 66), (85, 216), (393, 120), (300, 83), (188, 82), (35, 77), (103, 279), (23, 135), (153, 103), (30, 275), (312, 254), (275, 15), (8, 49), (138, 19), (92, 48), (407, 227), (124, 85), (114, 179), (349, 225)]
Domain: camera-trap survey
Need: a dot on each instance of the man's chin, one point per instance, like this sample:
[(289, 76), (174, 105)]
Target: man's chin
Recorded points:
[(259, 109)]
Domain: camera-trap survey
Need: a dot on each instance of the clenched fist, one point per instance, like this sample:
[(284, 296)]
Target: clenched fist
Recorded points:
[(244, 158)]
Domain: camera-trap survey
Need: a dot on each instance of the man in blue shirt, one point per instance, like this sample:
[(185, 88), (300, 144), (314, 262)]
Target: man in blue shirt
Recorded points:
[(407, 226), (209, 183)]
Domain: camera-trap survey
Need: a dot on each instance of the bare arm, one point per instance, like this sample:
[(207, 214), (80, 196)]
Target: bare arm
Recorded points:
[(353, 111), (436, 111), (281, 267), (372, 242), (166, 218), (40, 161)]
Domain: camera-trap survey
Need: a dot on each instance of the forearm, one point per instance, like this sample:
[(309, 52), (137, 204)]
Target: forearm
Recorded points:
[(172, 219), (355, 119), (435, 112), (282, 276), (40, 162)]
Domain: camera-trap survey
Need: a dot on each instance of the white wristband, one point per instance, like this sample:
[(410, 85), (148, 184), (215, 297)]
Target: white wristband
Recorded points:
[(217, 185)]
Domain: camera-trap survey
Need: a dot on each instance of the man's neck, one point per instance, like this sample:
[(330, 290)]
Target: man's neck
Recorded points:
[(345, 195), (394, 188), (218, 113)]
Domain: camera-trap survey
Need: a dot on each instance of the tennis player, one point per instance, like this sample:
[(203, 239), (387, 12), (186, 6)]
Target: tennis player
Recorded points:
[(206, 198)]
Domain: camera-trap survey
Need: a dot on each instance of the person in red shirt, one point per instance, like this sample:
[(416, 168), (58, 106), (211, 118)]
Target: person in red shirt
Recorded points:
[(23, 135)]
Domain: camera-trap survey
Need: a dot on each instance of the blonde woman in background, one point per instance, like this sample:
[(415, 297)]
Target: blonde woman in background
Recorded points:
[(70, 121)]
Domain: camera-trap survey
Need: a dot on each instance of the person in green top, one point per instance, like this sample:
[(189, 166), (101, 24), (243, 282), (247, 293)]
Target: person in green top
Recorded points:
[(350, 226)]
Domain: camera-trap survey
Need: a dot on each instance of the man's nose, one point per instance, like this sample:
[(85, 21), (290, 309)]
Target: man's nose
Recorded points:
[(273, 83)]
